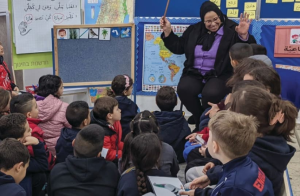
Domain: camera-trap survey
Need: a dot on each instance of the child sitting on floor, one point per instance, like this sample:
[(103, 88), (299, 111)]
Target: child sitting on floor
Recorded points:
[(16, 126), (231, 138), (86, 173), (145, 122), (121, 88), (78, 115), (107, 114), (173, 127), (52, 111), (145, 151), (14, 160), (26, 105)]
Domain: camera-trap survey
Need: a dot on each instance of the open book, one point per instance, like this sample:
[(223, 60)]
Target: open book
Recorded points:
[(165, 186)]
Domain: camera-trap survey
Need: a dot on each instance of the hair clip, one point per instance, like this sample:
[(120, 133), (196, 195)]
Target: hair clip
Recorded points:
[(127, 81), (279, 117)]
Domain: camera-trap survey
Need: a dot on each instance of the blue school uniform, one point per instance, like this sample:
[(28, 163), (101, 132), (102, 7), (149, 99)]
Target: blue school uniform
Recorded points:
[(173, 130), (129, 110), (240, 176)]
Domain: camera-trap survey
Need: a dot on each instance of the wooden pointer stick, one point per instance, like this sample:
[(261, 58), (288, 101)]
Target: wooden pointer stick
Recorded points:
[(166, 8)]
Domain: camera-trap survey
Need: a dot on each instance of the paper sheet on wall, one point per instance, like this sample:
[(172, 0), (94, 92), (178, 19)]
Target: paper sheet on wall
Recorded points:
[(272, 1), (297, 7), (217, 2), (250, 6), (33, 20), (233, 13)]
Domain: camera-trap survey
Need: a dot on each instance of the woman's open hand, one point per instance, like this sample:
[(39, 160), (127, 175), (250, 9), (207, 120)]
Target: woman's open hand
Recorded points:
[(243, 27)]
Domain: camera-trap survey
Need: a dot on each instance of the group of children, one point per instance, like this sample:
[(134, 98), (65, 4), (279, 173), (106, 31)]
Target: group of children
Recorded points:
[(48, 146)]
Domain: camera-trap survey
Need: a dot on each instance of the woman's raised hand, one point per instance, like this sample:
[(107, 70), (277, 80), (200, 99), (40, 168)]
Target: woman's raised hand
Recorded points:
[(165, 25), (243, 27)]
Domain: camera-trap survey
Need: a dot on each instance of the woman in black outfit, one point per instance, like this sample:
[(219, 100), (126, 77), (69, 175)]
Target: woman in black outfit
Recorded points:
[(206, 46)]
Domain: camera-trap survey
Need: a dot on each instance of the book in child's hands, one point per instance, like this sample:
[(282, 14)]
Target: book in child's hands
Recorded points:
[(165, 186)]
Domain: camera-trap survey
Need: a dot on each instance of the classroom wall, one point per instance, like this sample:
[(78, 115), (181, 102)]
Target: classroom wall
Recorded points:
[(31, 76)]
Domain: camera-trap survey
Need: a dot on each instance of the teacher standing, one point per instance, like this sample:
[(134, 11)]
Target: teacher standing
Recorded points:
[(206, 46)]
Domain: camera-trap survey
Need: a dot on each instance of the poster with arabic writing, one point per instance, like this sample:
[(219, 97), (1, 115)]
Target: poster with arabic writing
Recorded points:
[(33, 20), (287, 41)]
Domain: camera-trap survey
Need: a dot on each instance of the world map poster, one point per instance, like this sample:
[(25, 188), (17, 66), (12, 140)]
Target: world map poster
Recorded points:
[(161, 67)]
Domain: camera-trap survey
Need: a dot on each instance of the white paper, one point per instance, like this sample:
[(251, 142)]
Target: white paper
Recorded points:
[(172, 186), (33, 20), (104, 152)]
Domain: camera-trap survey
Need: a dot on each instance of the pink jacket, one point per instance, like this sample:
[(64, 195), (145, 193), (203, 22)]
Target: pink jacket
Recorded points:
[(52, 113)]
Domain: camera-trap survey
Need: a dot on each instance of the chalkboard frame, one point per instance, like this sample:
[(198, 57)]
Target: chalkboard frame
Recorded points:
[(94, 83)]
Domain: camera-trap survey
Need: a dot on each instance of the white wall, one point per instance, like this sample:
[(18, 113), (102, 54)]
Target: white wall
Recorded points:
[(3, 5), (31, 76)]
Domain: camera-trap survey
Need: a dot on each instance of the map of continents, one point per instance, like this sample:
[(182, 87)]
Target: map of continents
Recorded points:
[(161, 67), (108, 11)]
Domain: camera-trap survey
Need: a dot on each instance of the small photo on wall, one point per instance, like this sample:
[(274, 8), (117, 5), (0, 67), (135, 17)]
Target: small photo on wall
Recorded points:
[(93, 33), (62, 33), (295, 36), (83, 33), (104, 34), (126, 32), (73, 33)]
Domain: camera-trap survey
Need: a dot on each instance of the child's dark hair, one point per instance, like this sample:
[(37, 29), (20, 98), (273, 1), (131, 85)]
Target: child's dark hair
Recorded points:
[(264, 106), (12, 152), (103, 106), (258, 49), (48, 85), (241, 85), (12, 125), (89, 141), (143, 122), (4, 101), (145, 150), (269, 77), (244, 67), (21, 103), (166, 98), (77, 112), (120, 84), (239, 51)]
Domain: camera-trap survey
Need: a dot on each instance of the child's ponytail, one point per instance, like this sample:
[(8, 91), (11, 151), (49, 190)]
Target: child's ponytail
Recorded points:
[(141, 181), (283, 115), (110, 93), (119, 85)]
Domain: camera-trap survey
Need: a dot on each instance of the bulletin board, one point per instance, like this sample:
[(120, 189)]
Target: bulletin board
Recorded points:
[(280, 9), (179, 8), (92, 55)]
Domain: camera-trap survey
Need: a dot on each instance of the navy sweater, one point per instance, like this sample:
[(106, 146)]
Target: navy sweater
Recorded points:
[(173, 130), (9, 187), (128, 111), (240, 176), (64, 144)]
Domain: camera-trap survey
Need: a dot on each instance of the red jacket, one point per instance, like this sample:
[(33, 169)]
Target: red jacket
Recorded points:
[(38, 133), (113, 146), (5, 80), (205, 133)]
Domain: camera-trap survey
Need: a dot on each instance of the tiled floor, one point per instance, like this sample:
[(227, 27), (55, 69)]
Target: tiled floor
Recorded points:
[(294, 165)]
